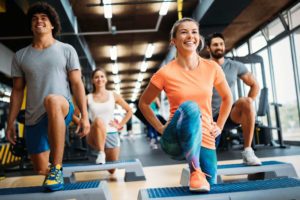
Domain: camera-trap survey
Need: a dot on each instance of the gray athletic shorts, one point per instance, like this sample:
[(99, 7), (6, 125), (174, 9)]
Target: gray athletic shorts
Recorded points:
[(112, 140)]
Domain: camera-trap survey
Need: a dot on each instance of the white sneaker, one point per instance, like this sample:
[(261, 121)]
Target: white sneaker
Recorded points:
[(100, 158), (153, 144), (249, 158)]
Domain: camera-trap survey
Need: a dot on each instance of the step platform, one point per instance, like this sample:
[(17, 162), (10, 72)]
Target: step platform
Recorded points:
[(79, 191), (133, 169), (270, 189), (268, 169)]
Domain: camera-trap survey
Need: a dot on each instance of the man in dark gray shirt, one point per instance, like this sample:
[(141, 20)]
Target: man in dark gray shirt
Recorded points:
[(242, 111), (46, 67)]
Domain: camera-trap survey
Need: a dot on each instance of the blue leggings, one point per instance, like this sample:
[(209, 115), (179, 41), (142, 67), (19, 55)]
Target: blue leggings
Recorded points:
[(182, 139)]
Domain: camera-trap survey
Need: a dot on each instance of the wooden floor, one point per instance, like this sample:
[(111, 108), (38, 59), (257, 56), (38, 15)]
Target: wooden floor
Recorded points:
[(157, 176)]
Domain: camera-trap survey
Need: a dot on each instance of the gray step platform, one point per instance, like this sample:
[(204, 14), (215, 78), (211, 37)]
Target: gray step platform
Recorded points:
[(79, 191), (133, 169), (271, 169), (271, 189)]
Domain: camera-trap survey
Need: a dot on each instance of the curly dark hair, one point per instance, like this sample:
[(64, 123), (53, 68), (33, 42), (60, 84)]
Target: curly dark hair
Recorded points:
[(45, 8)]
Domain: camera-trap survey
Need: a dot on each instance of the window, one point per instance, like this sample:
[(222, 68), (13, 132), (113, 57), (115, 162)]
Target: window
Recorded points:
[(295, 16), (265, 57), (242, 50), (284, 76), (257, 42), (297, 41), (274, 29)]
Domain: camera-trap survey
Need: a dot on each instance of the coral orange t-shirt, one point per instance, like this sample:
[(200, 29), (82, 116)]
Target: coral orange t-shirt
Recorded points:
[(196, 85)]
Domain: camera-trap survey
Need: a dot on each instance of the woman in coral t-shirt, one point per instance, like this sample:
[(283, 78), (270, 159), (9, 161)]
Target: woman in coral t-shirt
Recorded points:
[(188, 81)]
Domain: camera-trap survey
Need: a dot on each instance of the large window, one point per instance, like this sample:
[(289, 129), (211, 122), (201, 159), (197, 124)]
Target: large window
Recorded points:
[(285, 89), (257, 42), (297, 42), (295, 16), (265, 57), (242, 50), (274, 29)]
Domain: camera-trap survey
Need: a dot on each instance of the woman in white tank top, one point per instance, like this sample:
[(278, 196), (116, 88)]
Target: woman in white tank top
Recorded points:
[(104, 136)]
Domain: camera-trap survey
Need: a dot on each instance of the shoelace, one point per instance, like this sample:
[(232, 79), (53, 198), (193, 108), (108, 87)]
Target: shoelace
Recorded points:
[(196, 169), (53, 172)]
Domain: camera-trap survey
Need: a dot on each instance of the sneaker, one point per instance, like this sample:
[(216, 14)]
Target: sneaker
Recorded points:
[(153, 144), (100, 158), (198, 182), (54, 180), (249, 158)]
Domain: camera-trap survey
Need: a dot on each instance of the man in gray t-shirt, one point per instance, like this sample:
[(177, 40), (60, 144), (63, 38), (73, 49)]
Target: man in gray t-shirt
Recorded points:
[(242, 111), (46, 67)]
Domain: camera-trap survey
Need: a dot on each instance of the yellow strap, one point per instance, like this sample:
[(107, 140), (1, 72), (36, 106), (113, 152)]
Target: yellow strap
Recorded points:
[(179, 8)]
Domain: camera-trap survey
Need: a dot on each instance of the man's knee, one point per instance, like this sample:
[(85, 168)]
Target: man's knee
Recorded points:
[(55, 103), (51, 100), (246, 105)]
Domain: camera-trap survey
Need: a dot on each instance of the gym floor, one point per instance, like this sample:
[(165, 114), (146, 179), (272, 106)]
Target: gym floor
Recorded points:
[(160, 170)]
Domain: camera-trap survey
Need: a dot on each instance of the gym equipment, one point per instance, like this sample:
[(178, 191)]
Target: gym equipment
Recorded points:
[(7, 158), (133, 169), (19, 149), (79, 191), (271, 189), (271, 169)]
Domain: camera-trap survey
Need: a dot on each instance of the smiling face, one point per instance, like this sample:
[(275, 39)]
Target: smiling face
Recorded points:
[(40, 24), (187, 37), (216, 48), (99, 79)]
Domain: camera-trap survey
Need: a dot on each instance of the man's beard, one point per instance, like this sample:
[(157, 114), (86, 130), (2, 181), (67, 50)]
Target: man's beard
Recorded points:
[(217, 55)]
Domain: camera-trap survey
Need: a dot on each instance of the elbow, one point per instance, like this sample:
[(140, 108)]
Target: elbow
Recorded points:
[(228, 100), (130, 113)]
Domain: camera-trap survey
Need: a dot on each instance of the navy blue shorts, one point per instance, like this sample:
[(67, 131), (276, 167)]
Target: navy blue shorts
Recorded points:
[(36, 136)]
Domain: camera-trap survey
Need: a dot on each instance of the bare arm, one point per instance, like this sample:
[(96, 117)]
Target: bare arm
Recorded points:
[(144, 104), (120, 101), (249, 80), (16, 99), (79, 94), (225, 93)]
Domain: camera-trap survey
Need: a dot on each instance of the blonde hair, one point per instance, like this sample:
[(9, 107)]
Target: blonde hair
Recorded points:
[(178, 23)]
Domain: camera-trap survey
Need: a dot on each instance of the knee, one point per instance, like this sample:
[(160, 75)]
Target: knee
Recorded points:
[(247, 105), (51, 101), (99, 123), (191, 108)]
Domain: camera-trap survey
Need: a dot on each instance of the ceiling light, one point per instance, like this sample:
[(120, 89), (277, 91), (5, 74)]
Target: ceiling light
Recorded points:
[(133, 98), (136, 91), (164, 8), (117, 87), (107, 9), (116, 79), (144, 66), (115, 68), (138, 85), (113, 52), (140, 77), (149, 50)]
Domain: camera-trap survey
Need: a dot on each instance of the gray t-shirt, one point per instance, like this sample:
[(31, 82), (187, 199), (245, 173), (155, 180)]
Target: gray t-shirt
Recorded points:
[(232, 70), (45, 72)]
